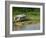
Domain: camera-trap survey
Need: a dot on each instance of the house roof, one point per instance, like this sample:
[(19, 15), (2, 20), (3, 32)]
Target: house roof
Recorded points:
[(22, 15)]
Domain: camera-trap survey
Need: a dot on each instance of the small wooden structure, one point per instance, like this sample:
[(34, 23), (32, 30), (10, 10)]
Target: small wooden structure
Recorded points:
[(21, 17)]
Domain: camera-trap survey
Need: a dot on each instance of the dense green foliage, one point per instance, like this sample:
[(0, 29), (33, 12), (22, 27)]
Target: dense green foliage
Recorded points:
[(27, 11), (33, 13)]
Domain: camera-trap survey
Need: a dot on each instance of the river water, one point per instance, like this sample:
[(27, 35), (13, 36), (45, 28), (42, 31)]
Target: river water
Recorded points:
[(30, 27)]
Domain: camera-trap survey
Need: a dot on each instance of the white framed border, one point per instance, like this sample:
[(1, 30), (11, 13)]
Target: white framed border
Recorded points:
[(30, 6)]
